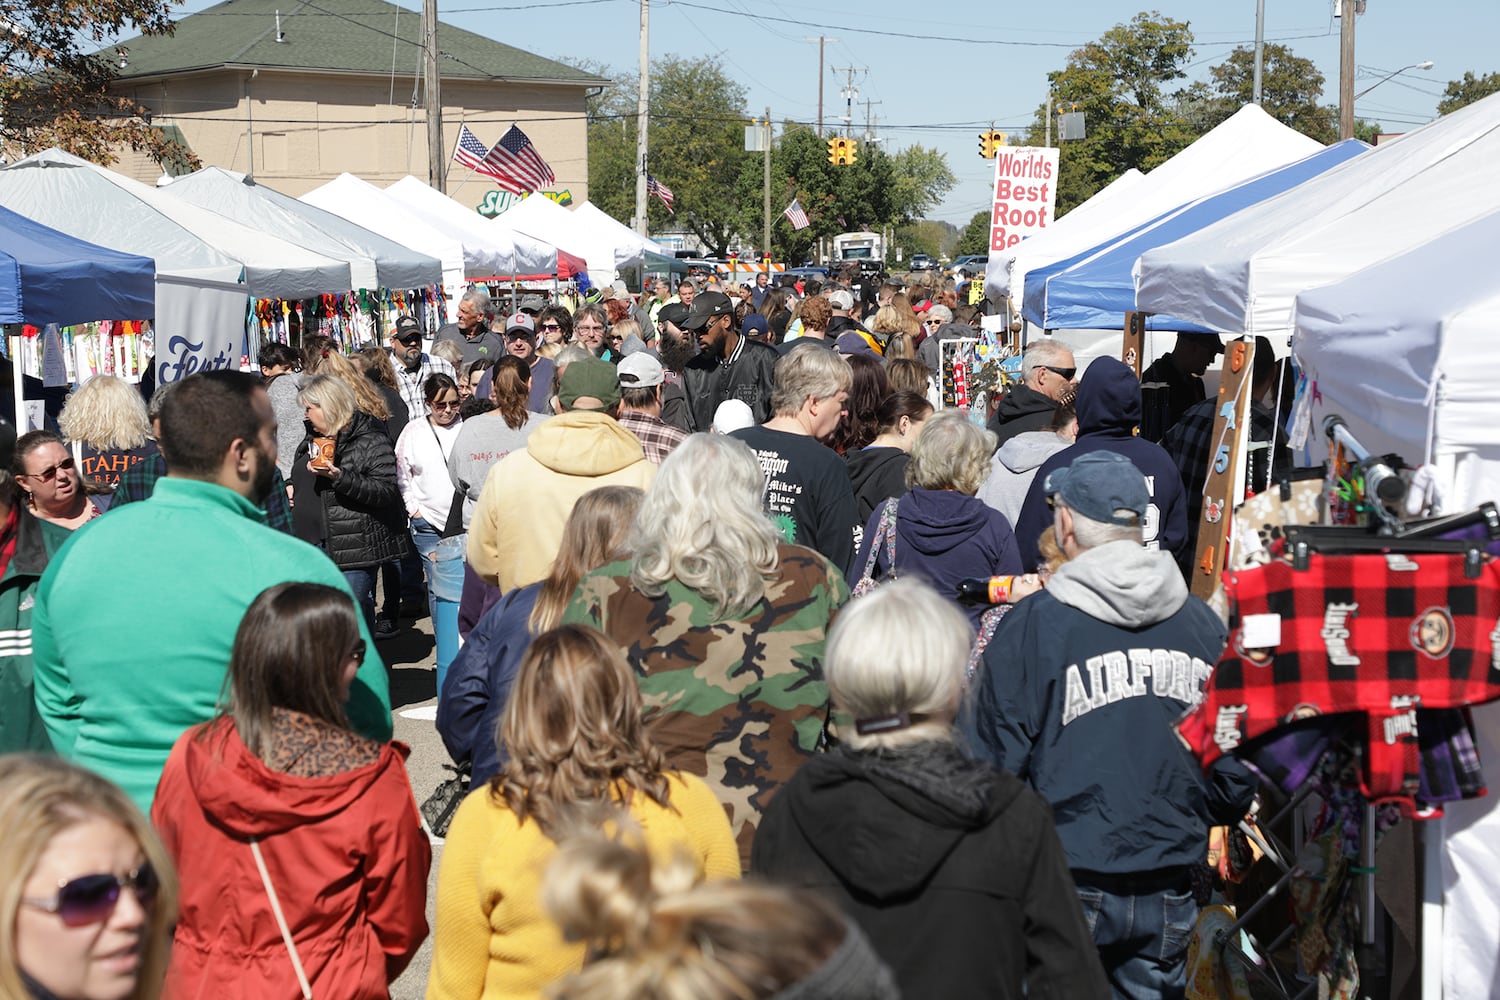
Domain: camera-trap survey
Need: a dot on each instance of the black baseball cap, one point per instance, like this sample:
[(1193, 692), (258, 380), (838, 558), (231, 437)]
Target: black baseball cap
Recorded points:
[(673, 312), (706, 306), (407, 328)]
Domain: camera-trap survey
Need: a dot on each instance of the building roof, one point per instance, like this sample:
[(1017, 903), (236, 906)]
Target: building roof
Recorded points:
[(341, 36)]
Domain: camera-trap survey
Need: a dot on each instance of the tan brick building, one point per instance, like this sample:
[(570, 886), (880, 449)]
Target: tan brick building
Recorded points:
[(340, 90)]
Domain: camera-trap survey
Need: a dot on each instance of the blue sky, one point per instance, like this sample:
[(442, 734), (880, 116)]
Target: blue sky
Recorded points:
[(938, 88)]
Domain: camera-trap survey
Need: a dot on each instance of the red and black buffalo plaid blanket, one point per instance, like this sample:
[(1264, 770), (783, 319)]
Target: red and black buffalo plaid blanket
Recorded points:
[(1379, 635)]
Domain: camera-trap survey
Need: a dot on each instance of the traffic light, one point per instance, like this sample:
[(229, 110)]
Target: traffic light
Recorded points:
[(842, 152), (990, 143)]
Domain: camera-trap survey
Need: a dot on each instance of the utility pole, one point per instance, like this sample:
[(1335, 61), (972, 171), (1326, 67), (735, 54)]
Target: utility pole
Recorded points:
[(849, 94), (822, 41), (1260, 48), (869, 134), (432, 85), (765, 242), (1346, 69), (642, 112), (1049, 120)]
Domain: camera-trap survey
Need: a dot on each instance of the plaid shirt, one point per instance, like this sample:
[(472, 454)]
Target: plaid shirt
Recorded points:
[(1380, 636), (138, 481), (410, 383), (657, 436), (1190, 442)]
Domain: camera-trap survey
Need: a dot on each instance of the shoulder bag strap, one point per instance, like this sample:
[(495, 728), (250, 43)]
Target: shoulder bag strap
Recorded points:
[(286, 933), (455, 524), (891, 508)]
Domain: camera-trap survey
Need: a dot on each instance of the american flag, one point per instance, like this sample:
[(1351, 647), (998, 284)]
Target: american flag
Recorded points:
[(471, 152), (796, 216), (656, 187), (515, 165)]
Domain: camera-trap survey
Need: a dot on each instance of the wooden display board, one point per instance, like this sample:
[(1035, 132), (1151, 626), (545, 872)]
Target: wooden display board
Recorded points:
[(1225, 486)]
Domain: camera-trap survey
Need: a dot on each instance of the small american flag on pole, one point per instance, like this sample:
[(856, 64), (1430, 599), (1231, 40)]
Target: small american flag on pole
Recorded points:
[(471, 152), (656, 187), (796, 216), (516, 166)]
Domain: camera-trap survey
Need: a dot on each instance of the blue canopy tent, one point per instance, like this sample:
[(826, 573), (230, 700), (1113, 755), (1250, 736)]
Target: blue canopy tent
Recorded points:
[(1094, 290), (49, 277)]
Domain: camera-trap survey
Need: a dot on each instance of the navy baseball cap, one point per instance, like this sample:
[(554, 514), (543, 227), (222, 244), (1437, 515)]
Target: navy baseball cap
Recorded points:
[(1099, 483)]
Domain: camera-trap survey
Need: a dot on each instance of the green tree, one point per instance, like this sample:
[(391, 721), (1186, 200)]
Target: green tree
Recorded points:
[(975, 237), (54, 93), (1467, 90), (1291, 87), (1119, 82)]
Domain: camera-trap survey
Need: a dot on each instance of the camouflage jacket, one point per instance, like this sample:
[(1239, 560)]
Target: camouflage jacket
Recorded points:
[(739, 702)]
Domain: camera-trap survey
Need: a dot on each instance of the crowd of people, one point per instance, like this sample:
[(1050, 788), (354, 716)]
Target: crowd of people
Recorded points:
[(694, 565)]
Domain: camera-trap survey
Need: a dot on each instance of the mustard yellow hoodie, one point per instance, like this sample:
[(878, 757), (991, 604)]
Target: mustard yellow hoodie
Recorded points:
[(528, 495)]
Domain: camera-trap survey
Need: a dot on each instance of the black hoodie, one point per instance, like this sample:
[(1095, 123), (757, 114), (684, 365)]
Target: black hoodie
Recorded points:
[(951, 868), (875, 475), (1109, 410)]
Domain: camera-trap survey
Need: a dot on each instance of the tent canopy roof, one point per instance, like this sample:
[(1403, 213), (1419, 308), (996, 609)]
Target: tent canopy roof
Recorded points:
[(50, 277)]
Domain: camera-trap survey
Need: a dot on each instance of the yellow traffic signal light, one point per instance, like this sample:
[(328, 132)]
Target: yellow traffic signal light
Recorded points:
[(990, 143), (842, 152)]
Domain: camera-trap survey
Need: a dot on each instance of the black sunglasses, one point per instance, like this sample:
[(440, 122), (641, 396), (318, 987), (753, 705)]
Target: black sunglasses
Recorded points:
[(1066, 373), (50, 472), (89, 899)]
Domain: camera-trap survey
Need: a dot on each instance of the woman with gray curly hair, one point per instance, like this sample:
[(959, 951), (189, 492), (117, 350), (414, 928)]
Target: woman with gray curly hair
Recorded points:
[(723, 623), (943, 534)]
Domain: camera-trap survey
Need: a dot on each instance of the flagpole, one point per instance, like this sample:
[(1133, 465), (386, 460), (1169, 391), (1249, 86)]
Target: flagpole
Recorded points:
[(642, 226)]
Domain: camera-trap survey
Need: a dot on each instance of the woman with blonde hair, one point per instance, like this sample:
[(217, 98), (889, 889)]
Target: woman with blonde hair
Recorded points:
[(348, 502), (723, 622), (952, 867), (278, 813), (657, 933), (367, 395), (943, 534), (478, 683), (575, 736), (89, 897), (889, 327), (105, 424)]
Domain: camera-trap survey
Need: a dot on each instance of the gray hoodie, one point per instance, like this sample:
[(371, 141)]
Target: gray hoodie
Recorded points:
[(1121, 583), (1014, 467)]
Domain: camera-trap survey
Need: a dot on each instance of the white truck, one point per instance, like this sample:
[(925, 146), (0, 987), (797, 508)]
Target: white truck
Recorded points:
[(865, 249)]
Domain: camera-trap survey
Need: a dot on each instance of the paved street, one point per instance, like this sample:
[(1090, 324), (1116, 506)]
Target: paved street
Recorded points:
[(413, 691)]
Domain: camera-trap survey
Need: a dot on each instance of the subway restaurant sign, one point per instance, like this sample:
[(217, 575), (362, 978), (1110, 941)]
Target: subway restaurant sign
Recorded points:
[(496, 202)]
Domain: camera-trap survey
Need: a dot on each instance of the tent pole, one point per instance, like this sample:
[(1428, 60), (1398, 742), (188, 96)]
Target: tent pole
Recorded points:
[(17, 385)]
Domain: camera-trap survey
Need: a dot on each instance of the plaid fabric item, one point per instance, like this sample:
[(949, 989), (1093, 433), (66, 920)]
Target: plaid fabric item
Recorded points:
[(410, 383), (1373, 634), (138, 481), (657, 437)]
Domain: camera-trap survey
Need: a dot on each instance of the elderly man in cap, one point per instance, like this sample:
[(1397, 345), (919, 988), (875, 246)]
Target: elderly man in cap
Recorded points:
[(1181, 371), (642, 380), (413, 365), (529, 494), (727, 366), (1077, 695), (520, 342)]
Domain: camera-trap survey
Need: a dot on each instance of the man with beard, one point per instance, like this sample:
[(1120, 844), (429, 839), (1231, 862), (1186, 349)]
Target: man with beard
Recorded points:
[(728, 366), (118, 681), (675, 347)]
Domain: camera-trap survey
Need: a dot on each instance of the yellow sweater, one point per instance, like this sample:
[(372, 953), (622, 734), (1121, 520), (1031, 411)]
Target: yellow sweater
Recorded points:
[(492, 939)]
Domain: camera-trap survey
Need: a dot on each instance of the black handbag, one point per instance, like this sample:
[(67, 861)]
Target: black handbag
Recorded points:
[(439, 807), (455, 523)]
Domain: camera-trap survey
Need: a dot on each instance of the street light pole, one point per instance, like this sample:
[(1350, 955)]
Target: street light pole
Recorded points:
[(1260, 48), (1424, 64)]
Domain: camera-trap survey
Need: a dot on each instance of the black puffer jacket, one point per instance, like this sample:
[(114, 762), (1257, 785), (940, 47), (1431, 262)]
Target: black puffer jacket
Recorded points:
[(951, 867), (359, 518)]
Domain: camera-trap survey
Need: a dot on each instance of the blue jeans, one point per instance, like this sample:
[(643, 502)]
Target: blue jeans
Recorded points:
[(362, 582), (1142, 939), (443, 563)]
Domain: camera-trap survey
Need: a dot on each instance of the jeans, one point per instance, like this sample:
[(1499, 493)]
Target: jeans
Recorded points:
[(1142, 939), (443, 563), (362, 582)]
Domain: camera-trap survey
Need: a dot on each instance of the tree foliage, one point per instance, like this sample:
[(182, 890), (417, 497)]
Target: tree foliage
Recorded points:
[(975, 237), (1467, 90), (1291, 88), (696, 137), (54, 93)]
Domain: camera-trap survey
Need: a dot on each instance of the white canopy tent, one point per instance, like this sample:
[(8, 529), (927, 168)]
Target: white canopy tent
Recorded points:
[(630, 246), (1248, 143), (374, 261), (542, 218), (366, 205), (519, 253), (1243, 273)]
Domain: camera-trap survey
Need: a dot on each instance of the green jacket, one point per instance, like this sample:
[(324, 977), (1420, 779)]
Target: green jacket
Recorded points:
[(135, 619), (36, 541)]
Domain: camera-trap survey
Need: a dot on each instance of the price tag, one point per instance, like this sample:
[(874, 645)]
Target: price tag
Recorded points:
[(1260, 631)]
